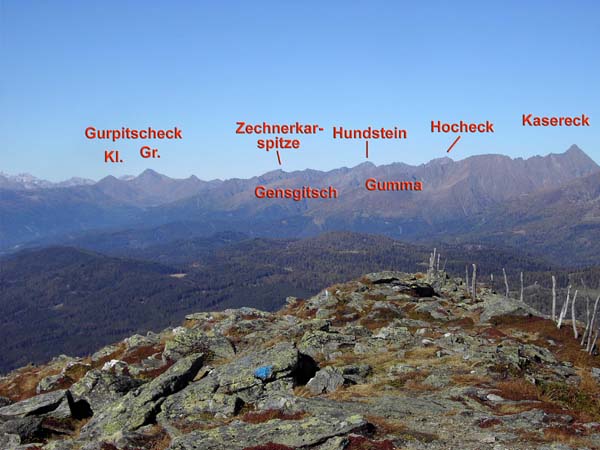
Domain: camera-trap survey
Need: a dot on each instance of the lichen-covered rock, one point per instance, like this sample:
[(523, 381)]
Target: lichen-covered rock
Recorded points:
[(317, 343), (198, 341), (420, 365), (40, 404), (140, 406), (99, 388), (28, 429), (9, 441), (496, 306), (301, 433), (240, 374)]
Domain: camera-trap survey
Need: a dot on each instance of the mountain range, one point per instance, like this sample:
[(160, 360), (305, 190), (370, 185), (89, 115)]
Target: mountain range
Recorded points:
[(490, 198)]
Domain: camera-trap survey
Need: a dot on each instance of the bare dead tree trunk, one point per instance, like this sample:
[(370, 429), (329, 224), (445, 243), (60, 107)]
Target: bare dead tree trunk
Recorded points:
[(474, 288), (492, 281), (467, 276), (591, 350), (553, 298), (505, 282), (565, 307), (438, 264), (587, 320), (521, 296), (574, 322), (592, 324), (431, 261)]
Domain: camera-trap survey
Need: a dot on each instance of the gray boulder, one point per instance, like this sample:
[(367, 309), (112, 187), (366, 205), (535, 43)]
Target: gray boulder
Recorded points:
[(40, 404), (328, 379), (198, 341), (496, 306), (99, 388), (315, 343), (140, 406), (27, 429)]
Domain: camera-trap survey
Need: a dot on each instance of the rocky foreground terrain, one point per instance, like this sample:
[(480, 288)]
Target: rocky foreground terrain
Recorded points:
[(391, 360)]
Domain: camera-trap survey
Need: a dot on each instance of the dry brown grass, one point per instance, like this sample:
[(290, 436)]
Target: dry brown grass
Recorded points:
[(582, 402), (356, 392), (470, 379), (466, 323), (302, 391), (156, 438), (541, 330), (153, 373), (419, 354), (516, 390), (379, 361), (566, 435), (21, 384), (410, 312), (385, 426)]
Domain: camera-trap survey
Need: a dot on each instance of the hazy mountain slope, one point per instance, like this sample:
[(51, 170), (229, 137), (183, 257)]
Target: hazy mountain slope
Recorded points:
[(26, 215), (151, 188), (560, 222), (60, 300)]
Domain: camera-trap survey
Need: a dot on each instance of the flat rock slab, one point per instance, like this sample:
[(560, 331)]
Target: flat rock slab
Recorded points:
[(495, 306), (292, 433), (40, 404)]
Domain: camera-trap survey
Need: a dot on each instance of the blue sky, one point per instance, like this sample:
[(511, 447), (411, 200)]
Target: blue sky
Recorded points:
[(203, 65)]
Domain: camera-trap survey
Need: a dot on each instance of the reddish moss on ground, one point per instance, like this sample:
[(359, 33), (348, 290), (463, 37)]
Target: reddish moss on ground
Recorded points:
[(138, 354), (269, 446), (271, 414), (363, 443), (488, 422)]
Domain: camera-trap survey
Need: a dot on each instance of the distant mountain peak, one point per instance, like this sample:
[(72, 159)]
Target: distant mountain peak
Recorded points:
[(149, 173), (574, 148)]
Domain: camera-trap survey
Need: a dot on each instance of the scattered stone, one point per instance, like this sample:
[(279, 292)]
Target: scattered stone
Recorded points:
[(326, 380), (494, 398), (437, 381), (49, 383)]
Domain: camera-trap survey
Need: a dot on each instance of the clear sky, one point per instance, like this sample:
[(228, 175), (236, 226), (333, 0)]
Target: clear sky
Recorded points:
[(203, 65)]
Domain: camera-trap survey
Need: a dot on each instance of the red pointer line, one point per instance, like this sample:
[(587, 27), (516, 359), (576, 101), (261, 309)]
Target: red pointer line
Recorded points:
[(367, 148), (453, 144), (278, 157)]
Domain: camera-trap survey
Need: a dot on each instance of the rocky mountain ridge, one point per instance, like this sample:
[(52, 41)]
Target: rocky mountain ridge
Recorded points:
[(391, 360), (454, 193)]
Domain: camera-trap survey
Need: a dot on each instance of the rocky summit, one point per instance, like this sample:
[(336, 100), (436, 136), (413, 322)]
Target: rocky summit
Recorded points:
[(388, 361)]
